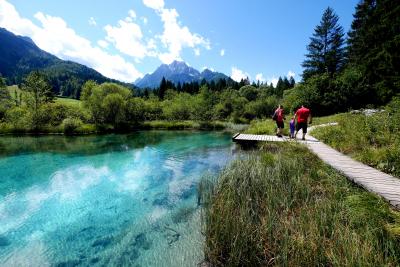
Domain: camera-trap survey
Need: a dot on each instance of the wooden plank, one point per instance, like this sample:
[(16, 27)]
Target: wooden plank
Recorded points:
[(371, 179), (367, 177)]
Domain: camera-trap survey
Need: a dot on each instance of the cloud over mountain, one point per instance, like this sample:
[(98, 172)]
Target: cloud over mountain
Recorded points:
[(53, 35)]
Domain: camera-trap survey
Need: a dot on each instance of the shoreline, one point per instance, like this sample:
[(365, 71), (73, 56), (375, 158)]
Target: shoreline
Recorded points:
[(147, 125)]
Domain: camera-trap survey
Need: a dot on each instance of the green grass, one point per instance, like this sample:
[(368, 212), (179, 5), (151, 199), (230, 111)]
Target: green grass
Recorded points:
[(68, 101), (181, 125), (284, 207), (327, 119), (373, 140), (62, 100), (266, 127), (11, 89)]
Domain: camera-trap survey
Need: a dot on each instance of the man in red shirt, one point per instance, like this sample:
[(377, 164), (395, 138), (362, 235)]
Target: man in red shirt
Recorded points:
[(303, 116), (279, 116)]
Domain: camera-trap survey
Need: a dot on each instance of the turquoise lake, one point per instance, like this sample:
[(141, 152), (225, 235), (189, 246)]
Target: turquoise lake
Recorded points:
[(110, 200)]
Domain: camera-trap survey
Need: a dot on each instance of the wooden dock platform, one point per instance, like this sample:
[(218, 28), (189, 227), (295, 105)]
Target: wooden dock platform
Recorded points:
[(373, 180), (240, 138)]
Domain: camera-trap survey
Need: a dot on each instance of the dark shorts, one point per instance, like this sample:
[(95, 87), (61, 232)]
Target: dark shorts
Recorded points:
[(302, 125), (280, 124)]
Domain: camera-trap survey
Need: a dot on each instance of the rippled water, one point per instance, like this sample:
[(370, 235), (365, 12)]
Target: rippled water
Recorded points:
[(115, 200)]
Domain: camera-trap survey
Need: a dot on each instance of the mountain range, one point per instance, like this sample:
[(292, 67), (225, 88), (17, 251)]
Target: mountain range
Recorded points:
[(19, 55), (178, 72)]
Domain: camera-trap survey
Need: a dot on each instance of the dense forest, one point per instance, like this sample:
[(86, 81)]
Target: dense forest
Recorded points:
[(341, 72)]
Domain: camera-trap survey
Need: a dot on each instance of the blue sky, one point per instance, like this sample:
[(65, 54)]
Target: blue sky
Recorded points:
[(127, 39)]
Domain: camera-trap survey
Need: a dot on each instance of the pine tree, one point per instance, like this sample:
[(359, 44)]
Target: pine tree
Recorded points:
[(326, 51), (292, 82), (374, 47), (163, 89), (286, 83), (146, 93), (280, 87)]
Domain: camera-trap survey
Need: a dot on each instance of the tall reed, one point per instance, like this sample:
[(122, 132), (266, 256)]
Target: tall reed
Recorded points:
[(287, 208)]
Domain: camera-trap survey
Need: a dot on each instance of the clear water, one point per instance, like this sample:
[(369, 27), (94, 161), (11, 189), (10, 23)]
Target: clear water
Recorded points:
[(112, 200)]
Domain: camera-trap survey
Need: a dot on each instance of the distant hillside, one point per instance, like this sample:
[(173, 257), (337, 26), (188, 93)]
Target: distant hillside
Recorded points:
[(19, 55), (178, 72)]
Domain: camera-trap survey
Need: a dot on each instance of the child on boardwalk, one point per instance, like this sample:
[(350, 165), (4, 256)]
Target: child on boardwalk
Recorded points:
[(292, 125)]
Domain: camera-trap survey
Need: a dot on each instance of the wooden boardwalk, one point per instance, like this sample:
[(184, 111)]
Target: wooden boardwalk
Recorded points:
[(365, 176), (240, 138)]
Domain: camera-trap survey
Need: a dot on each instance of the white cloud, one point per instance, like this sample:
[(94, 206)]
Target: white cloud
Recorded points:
[(238, 74), (196, 51), (144, 19), (154, 4), (259, 77), (92, 21), (274, 80), (132, 14), (102, 43), (127, 38), (54, 36), (222, 52), (291, 74), (175, 37)]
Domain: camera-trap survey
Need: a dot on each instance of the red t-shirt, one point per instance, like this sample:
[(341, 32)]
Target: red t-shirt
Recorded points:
[(279, 114), (302, 114)]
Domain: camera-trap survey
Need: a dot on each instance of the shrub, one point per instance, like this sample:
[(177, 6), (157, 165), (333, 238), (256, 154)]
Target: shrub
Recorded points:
[(179, 108), (69, 125), (19, 119), (249, 92), (136, 110)]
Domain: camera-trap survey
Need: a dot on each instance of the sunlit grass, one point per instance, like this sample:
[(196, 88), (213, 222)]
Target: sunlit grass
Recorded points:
[(266, 127), (68, 101), (15, 91), (285, 207), (373, 140), (328, 119)]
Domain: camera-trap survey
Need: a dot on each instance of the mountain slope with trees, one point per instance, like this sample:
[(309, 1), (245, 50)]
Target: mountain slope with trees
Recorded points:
[(19, 56)]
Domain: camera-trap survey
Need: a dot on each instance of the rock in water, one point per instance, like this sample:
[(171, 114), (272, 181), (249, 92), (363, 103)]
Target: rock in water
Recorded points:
[(4, 241)]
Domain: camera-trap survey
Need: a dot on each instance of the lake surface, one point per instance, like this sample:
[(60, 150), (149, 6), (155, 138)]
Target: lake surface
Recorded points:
[(112, 200)]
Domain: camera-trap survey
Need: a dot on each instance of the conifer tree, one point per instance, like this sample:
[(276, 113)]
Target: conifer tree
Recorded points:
[(280, 87), (326, 51), (292, 82), (374, 47), (163, 89)]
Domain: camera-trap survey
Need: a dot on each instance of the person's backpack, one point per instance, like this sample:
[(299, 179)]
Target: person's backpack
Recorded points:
[(275, 116)]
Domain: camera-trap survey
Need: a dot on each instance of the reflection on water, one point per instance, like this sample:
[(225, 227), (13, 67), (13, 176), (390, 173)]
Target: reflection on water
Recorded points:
[(105, 200)]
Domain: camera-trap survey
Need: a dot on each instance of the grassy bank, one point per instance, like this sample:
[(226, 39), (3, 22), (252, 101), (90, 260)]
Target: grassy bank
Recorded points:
[(373, 140), (23, 112), (284, 207), (72, 127)]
